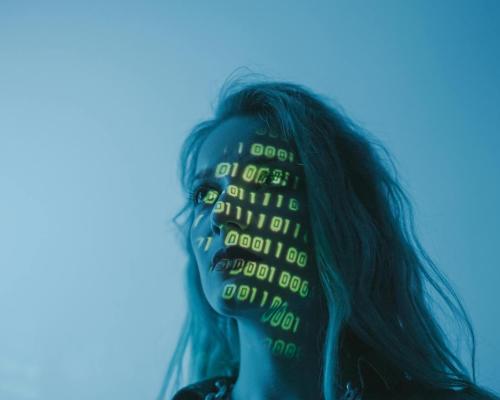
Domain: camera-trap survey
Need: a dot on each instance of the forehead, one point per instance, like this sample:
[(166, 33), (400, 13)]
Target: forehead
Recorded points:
[(225, 141)]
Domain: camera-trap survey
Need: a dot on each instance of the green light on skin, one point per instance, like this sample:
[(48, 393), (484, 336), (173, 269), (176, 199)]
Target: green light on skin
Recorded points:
[(204, 241), (262, 272), (280, 348), (265, 201), (260, 244), (278, 316)]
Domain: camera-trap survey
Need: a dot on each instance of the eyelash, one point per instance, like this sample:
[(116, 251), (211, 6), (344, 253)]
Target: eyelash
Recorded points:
[(192, 195)]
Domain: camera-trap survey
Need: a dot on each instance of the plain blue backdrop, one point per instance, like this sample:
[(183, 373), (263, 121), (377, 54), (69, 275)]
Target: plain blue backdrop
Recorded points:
[(95, 99)]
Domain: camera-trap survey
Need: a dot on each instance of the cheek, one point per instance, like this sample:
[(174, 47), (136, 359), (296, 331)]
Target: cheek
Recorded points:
[(197, 242), (201, 240)]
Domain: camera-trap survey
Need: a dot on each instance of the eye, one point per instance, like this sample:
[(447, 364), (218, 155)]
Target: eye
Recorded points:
[(204, 195)]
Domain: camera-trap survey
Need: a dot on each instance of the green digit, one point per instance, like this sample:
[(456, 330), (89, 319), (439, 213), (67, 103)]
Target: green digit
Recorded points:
[(262, 271), (250, 267), (249, 173), (231, 238), (229, 290), (293, 204), (278, 347), (222, 169), (256, 149), (288, 321), (291, 254), (295, 284), (282, 154), (276, 223), (284, 279), (245, 240), (302, 259), (304, 289), (243, 292), (257, 243), (290, 350), (270, 151)]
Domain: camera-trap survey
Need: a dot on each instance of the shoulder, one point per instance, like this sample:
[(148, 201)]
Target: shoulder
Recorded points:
[(197, 391)]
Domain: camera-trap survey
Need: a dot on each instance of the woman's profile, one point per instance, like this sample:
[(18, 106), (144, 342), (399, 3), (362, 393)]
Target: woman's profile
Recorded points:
[(305, 277)]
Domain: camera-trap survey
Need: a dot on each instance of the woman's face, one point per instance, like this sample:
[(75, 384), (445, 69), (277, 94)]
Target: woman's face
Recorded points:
[(251, 234)]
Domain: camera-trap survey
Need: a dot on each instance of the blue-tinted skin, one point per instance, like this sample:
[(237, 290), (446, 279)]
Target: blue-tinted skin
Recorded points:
[(266, 370)]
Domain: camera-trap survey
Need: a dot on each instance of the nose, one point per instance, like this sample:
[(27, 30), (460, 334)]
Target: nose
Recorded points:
[(223, 216)]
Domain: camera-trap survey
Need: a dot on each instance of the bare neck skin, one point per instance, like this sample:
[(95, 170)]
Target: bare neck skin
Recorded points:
[(264, 376)]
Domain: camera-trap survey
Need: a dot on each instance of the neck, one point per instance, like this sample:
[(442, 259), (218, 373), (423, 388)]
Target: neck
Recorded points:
[(263, 374)]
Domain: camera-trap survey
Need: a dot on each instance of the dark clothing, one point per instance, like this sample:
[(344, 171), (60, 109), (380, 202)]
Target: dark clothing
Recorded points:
[(213, 389), (200, 390), (365, 375)]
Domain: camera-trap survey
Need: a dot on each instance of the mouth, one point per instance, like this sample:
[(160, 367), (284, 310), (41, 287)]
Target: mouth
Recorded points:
[(232, 257)]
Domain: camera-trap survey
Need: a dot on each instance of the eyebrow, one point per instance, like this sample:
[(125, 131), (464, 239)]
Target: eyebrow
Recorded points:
[(206, 172)]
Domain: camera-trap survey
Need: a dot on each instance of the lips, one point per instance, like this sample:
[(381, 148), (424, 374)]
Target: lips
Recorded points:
[(232, 253)]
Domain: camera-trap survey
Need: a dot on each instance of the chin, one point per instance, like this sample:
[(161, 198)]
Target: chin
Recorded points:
[(234, 296), (235, 308)]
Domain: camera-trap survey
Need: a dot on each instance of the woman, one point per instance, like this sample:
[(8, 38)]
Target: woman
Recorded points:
[(305, 278)]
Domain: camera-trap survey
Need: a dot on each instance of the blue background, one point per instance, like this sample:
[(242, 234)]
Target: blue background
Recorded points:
[(95, 99)]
